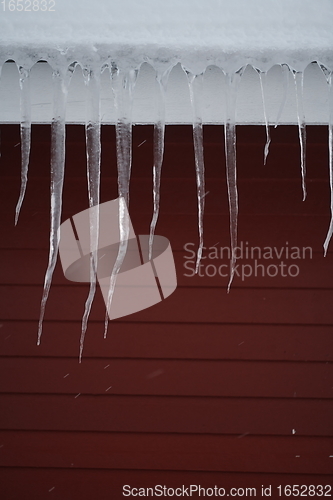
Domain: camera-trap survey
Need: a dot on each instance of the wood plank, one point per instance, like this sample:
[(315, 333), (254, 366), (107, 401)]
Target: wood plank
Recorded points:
[(248, 134), (312, 271), (70, 484), (256, 196), (167, 377), (209, 305), (163, 452), (283, 160), (258, 230), (170, 341), (28, 266), (111, 413)]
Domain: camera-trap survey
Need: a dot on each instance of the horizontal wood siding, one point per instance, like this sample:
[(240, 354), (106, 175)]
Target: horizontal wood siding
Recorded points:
[(203, 388)]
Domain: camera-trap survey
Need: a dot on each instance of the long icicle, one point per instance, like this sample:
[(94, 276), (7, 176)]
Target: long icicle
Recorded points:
[(330, 149), (285, 74), (299, 81), (25, 132), (230, 161), (123, 85), (93, 151), (263, 86), (196, 95), (58, 134), (159, 131)]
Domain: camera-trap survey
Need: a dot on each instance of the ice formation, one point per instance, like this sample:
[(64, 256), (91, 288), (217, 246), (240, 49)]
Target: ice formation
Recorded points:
[(233, 81), (61, 81), (123, 83), (93, 149), (196, 90), (298, 79), (25, 131), (159, 129), (119, 38), (328, 75), (263, 84)]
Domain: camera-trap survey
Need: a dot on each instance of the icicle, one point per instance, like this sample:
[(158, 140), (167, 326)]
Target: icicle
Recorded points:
[(61, 83), (330, 149), (123, 85), (299, 80), (93, 151), (285, 74), (25, 131), (124, 224), (263, 85), (196, 90), (230, 160), (159, 130)]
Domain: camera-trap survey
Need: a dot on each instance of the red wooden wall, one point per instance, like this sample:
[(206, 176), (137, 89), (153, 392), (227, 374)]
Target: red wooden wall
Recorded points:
[(209, 388)]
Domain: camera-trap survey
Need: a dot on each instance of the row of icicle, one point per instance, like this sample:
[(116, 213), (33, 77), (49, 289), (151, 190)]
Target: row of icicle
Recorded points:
[(123, 83)]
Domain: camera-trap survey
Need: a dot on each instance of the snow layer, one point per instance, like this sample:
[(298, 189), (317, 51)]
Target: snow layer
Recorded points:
[(227, 33)]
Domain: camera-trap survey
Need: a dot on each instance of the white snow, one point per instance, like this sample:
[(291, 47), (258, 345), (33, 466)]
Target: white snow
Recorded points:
[(231, 33)]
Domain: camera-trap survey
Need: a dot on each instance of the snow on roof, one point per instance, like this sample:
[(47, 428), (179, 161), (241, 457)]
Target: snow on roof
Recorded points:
[(229, 33)]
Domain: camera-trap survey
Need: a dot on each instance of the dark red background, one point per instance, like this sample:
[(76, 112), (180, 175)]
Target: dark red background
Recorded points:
[(207, 387)]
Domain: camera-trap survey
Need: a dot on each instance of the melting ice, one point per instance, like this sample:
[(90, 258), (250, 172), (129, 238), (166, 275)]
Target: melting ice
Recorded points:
[(123, 79)]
